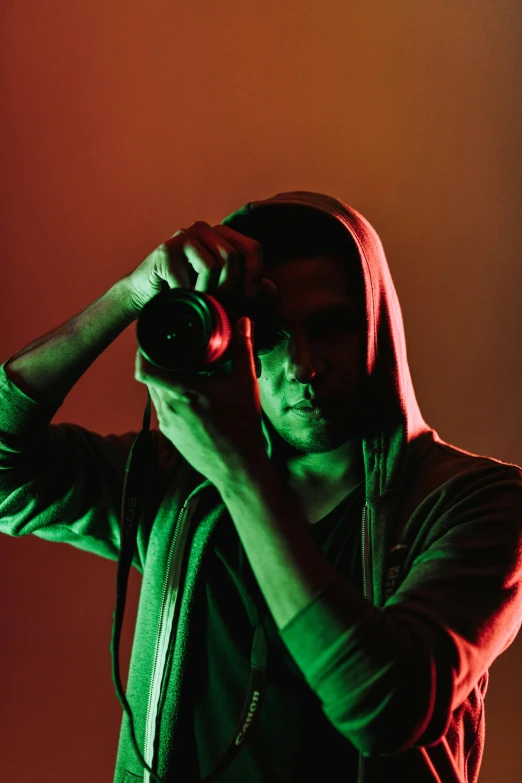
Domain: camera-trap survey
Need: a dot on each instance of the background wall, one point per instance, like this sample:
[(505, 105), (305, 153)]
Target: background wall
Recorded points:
[(124, 121)]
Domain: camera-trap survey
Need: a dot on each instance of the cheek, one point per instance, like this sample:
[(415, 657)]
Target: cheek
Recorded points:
[(351, 356), (268, 381)]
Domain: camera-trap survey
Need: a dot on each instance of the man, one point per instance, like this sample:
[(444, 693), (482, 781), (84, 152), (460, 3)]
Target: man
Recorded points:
[(371, 571)]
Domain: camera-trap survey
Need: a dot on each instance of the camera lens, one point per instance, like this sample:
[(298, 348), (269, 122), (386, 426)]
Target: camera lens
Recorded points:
[(183, 330)]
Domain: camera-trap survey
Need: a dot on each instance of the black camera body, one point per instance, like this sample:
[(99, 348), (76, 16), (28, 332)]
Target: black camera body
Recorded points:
[(187, 331)]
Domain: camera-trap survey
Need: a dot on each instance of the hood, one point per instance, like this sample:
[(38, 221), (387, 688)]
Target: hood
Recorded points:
[(396, 427)]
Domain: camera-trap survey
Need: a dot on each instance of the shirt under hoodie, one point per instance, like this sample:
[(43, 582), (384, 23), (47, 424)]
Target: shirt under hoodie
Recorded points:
[(383, 675), (283, 745)]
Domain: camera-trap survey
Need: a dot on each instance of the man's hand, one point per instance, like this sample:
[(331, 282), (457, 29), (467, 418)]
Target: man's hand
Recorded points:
[(215, 423), (203, 258)]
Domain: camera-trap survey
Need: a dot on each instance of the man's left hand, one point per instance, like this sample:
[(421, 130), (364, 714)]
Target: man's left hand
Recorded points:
[(214, 422)]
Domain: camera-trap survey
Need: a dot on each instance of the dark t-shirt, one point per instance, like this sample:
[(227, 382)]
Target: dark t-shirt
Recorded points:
[(292, 740)]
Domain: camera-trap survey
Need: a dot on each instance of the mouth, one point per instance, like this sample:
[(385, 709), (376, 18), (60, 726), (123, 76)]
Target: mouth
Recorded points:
[(318, 402), (319, 410)]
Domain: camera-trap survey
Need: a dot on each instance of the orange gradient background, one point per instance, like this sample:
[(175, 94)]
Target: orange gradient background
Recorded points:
[(122, 122)]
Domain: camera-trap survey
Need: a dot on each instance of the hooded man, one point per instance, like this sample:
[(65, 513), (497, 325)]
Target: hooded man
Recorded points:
[(334, 614)]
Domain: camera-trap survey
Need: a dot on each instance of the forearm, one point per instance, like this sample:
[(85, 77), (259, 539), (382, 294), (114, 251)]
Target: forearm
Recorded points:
[(48, 368), (287, 564), (364, 666)]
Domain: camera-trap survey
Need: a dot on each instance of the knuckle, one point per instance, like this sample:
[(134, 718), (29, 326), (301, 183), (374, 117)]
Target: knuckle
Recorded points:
[(229, 253), (172, 244), (174, 239)]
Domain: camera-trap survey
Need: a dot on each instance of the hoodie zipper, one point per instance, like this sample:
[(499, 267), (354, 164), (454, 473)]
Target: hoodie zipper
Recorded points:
[(167, 605), (365, 556), (162, 636)]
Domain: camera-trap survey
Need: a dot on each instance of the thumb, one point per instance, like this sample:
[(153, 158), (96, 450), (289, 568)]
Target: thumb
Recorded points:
[(244, 347), (244, 327), (243, 351)]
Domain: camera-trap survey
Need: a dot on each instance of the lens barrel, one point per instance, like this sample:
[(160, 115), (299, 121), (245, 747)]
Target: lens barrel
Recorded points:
[(187, 331), (181, 330)]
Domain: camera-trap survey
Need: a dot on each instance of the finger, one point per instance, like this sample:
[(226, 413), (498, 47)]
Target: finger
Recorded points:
[(227, 257), (182, 388), (202, 268), (252, 252), (165, 407), (156, 400)]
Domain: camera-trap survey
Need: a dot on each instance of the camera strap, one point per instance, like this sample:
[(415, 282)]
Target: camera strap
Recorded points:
[(138, 472)]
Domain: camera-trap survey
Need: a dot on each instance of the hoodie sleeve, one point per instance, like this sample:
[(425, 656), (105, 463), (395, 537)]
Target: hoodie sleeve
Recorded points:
[(389, 679), (61, 482)]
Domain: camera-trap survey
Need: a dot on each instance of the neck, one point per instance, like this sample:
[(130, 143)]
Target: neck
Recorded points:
[(343, 467)]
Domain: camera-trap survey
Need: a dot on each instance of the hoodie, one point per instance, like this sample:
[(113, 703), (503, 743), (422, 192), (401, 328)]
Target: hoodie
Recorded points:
[(388, 666)]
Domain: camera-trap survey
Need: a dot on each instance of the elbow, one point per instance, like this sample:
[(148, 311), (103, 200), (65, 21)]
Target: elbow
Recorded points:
[(413, 711), (397, 737)]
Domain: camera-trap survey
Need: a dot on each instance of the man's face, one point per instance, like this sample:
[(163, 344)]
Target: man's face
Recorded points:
[(333, 344)]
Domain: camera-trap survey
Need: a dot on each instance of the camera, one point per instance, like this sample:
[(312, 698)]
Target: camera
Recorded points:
[(187, 331)]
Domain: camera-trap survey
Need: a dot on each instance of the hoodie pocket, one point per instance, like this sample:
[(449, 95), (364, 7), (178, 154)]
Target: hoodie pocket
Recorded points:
[(130, 777)]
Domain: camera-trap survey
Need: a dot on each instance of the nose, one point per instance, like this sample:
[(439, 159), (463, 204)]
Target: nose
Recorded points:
[(303, 377), (302, 364)]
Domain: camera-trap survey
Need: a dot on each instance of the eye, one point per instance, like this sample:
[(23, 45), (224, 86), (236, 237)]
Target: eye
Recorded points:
[(281, 336)]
